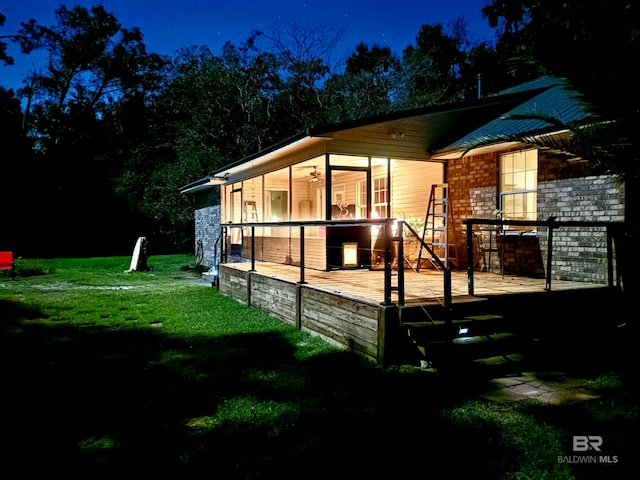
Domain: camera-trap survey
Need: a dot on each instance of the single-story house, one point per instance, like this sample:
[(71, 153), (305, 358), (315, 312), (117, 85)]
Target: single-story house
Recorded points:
[(331, 200)]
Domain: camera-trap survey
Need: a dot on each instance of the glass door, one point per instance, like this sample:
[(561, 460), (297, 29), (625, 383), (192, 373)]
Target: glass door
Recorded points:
[(349, 246), (236, 217)]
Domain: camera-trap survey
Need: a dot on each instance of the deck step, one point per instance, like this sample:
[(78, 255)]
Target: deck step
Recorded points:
[(425, 330), (481, 318), (500, 360), (483, 346), (471, 320), (496, 352)]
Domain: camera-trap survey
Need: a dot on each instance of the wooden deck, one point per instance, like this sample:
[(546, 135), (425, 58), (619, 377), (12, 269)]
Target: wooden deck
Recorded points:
[(422, 288), (348, 306)]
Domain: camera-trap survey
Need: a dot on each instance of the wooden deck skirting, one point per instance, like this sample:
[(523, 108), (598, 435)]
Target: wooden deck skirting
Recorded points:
[(347, 308)]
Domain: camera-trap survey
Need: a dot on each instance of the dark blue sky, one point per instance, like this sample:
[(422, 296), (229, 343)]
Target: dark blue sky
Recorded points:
[(168, 25)]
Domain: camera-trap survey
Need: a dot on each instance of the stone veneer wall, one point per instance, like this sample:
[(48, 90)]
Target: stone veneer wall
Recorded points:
[(207, 231)]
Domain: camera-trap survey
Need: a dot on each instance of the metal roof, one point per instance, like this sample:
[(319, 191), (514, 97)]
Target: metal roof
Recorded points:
[(555, 100)]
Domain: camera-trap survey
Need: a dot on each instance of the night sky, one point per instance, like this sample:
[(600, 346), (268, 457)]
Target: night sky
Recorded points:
[(168, 25)]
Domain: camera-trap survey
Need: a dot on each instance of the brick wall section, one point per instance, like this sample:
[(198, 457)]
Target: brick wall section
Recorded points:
[(580, 254), (566, 190), (207, 231), (472, 193)]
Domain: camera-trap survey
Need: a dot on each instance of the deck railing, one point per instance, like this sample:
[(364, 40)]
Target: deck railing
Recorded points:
[(389, 225), (551, 224)]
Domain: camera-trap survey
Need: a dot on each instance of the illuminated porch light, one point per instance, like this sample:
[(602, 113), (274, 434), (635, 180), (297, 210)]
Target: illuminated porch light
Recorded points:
[(463, 330), (350, 254)]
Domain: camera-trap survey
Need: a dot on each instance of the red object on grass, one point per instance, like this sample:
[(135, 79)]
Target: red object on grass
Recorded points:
[(6, 263)]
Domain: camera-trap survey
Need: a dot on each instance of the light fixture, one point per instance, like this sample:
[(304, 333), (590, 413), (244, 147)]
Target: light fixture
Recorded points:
[(315, 175), (395, 133), (350, 254)]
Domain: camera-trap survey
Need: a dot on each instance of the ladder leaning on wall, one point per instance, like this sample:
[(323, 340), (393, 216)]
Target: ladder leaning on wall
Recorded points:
[(435, 232)]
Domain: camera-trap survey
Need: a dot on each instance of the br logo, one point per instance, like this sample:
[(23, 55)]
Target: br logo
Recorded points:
[(584, 443)]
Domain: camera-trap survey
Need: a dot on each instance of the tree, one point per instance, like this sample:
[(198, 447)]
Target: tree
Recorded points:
[(432, 68), (97, 69), (94, 63), (589, 45), (17, 172), (4, 56), (303, 53), (590, 48), (366, 88)]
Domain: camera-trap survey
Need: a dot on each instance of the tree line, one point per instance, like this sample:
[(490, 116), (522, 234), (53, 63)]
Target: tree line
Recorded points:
[(101, 137)]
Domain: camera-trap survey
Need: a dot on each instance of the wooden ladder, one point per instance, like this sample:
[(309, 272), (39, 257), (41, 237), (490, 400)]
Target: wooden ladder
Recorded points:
[(435, 232)]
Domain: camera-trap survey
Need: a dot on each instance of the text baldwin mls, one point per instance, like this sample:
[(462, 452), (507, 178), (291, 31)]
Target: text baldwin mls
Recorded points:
[(587, 443)]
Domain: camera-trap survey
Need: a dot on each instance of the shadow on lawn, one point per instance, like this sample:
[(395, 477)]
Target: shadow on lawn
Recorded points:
[(90, 401)]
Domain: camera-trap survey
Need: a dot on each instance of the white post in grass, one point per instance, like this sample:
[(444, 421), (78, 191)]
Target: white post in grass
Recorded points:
[(138, 251)]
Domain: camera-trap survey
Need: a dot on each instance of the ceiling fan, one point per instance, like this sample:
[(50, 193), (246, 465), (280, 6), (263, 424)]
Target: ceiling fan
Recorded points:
[(315, 175)]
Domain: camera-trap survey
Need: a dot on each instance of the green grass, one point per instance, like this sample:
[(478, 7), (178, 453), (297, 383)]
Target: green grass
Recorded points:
[(106, 372)]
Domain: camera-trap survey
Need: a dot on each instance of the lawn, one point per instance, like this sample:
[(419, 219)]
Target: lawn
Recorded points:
[(106, 373)]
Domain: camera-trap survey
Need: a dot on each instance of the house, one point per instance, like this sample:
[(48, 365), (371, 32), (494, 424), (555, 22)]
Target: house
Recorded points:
[(332, 199)]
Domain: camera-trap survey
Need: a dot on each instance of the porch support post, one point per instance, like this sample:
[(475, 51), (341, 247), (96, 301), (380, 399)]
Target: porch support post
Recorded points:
[(469, 258), (551, 226), (248, 281), (302, 255), (400, 262), (388, 332), (448, 303), (609, 256), (299, 306), (253, 248), (387, 263), (223, 245)]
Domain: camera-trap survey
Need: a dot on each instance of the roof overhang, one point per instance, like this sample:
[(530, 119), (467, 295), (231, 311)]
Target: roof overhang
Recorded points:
[(460, 152), (497, 146), (203, 184), (264, 157)]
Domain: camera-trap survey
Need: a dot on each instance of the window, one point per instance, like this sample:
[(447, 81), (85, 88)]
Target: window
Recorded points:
[(361, 199), (519, 184), (380, 201)]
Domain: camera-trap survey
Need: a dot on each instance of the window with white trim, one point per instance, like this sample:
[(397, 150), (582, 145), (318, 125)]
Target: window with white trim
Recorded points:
[(380, 199), (519, 185)]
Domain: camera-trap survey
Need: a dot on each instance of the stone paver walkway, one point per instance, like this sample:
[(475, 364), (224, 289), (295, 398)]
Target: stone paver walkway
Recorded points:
[(551, 388)]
